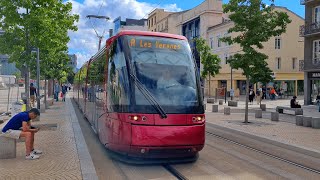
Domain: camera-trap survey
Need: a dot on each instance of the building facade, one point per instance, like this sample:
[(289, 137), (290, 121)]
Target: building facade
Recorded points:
[(191, 23), (285, 55), (311, 33), (73, 62), (6, 68), (129, 24)]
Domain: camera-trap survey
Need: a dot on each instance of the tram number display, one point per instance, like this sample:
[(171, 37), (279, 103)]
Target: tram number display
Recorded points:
[(158, 44)]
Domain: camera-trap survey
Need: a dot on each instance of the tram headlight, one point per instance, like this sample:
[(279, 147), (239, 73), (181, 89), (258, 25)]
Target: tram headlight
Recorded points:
[(134, 118), (198, 119)]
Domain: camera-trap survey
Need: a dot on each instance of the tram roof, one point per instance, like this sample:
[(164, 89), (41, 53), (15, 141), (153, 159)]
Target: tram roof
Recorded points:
[(149, 33)]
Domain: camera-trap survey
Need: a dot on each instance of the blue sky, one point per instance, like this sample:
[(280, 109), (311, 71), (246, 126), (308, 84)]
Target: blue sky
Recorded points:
[(84, 42)]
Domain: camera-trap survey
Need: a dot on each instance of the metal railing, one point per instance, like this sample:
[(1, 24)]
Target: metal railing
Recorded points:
[(309, 29)]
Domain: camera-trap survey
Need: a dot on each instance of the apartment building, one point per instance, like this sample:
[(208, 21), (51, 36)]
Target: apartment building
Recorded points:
[(311, 33), (191, 23), (285, 58)]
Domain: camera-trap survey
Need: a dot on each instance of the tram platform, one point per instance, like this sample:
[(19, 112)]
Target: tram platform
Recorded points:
[(65, 153), (284, 133)]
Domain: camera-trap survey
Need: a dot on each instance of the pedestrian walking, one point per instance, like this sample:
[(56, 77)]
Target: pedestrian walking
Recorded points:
[(20, 126), (63, 92), (251, 96), (56, 91), (33, 95), (318, 101), (259, 95)]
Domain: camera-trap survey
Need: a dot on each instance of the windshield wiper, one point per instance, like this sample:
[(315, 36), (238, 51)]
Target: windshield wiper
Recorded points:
[(149, 97)]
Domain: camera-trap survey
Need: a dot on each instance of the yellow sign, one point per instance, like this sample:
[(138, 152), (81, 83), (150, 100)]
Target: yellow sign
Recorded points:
[(153, 44)]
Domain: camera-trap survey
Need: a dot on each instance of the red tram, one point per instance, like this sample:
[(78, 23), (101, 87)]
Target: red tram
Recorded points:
[(142, 96)]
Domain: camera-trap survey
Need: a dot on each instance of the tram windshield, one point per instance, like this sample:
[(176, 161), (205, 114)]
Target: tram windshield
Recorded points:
[(166, 69)]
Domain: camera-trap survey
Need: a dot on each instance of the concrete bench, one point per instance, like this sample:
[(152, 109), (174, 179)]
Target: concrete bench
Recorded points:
[(50, 102), (215, 108), (263, 107), (307, 121), (210, 100), (258, 113), (299, 120), (274, 116), (7, 148), (227, 111), (297, 111), (315, 123), (220, 102), (233, 103)]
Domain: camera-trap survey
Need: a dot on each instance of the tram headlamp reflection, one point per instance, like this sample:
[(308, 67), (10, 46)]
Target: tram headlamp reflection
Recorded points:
[(135, 118)]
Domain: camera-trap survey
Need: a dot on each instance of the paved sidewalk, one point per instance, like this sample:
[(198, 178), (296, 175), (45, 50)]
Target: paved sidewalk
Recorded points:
[(285, 131), (61, 158)]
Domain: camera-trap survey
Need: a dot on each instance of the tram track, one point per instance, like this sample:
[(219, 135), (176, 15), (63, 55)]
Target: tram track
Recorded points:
[(264, 153), (174, 172)]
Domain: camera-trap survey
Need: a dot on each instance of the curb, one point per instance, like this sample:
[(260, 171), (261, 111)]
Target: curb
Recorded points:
[(295, 148), (88, 170)]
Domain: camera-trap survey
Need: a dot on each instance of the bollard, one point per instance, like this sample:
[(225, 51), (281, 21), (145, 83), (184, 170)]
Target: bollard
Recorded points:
[(7, 148), (274, 116), (307, 121), (258, 113), (315, 123), (263, 107), (233, 103), (210, 100), (215, 108), (220, 102), (227, 110), (299, 120)]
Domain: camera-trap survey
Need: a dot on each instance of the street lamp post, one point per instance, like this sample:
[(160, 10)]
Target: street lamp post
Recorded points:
[(99, 36), (231, 90), (38, 76)]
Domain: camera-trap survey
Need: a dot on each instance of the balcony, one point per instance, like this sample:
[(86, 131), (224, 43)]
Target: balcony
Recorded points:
[(303, 2), (309, 29)]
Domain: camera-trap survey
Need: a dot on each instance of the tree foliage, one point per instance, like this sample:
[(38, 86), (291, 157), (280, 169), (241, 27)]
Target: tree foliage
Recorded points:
[(37, 23), (255, 23), (211, 62)]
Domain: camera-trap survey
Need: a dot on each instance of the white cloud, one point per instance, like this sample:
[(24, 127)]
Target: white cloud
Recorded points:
[(84, 42)]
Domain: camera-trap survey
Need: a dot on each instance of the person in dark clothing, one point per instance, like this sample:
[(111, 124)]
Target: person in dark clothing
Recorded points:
[(64, 91), (33, 94), (20, 126), (294, 103), (251, 96)]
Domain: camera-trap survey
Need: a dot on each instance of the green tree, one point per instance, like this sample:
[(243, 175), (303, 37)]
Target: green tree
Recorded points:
[(210, 62), (36, 23), (255, 23)]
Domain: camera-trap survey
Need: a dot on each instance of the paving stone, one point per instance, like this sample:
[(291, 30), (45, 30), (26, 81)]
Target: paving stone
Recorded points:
[(60, 159)]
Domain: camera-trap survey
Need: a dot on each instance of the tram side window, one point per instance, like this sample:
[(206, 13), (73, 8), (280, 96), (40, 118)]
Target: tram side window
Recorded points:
[(118, 86)]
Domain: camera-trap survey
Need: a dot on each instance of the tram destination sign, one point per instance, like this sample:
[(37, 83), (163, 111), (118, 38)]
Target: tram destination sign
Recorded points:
[(154, 43), (314, 75)]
